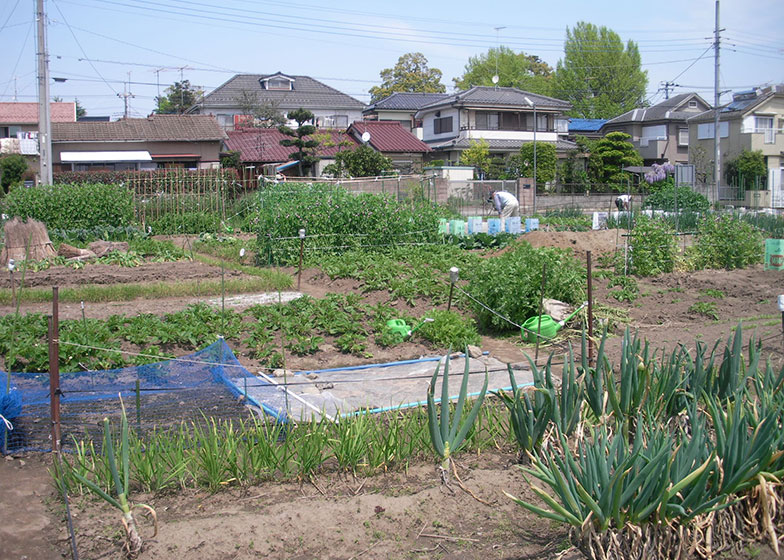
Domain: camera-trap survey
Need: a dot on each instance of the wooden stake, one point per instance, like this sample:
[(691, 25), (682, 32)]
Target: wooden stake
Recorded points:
[(590, 307)]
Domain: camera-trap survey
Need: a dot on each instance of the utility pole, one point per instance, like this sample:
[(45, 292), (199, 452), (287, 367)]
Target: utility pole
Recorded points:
[(666, 87), (44, 117), (716, 103), (125, 95)]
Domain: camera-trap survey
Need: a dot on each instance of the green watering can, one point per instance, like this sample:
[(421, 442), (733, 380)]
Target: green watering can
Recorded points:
[(549, 326), (399, 327)]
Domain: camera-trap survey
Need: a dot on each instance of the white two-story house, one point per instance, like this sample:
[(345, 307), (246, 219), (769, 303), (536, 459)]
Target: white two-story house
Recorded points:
[(754, 120), (502, 116)]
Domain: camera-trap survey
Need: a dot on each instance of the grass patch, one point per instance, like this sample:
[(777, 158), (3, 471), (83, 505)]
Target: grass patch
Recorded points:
[(268, 280)]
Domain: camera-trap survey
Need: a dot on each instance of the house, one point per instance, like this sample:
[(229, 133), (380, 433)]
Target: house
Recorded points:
[(402, 107), (406, 151), (660, 133), (19, 125), (229, 102), (260, 149), (754, 120), (158, 141), (588, 128), (502, 116)]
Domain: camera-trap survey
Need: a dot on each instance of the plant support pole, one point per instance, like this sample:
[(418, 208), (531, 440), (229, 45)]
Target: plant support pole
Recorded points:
[(590, 308), (454, 274), (541, 302), (54, 369), (301, 252)]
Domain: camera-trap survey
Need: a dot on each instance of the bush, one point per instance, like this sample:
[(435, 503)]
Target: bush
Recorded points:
[(510, 284), (69, 207), (652, 247), (337, 221), (726, 242), (12, 170), (449, 330), (687, 200)]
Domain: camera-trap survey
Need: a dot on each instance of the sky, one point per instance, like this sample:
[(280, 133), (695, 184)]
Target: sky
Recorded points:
[(101, 50)]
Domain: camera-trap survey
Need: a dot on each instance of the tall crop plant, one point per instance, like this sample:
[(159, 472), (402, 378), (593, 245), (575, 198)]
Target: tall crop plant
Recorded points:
[(511, 284), (336, 220), (72, 206)]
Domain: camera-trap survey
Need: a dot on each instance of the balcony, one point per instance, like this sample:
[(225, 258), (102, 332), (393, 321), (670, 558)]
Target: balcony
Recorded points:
[(650, 148)]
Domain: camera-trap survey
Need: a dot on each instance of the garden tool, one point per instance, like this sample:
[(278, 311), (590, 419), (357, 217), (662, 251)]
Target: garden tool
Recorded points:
[(549, 326)]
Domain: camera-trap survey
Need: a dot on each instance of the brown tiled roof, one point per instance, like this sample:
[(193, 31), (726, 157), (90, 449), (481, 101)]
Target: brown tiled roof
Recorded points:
[(27, 113), (263, 144), (155, 128), (388, 136)]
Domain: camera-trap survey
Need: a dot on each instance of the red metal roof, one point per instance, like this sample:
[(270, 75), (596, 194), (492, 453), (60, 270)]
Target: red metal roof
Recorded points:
[(388, 136), (263, 144), (27, 113)]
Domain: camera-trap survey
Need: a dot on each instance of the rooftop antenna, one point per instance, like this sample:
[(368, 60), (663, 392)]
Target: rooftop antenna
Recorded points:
[(497, 52)]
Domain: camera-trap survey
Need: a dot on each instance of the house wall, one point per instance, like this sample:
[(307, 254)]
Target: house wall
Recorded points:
[(655, 150), (208, 152), (225, 115), (405, 119), (428, 122)]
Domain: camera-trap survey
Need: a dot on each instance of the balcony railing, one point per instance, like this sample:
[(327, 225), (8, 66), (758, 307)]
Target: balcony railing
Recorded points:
[(505, 128)]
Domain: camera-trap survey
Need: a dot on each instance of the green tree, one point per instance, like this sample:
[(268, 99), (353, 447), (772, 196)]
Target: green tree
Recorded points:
[(609, 155), (477, 155), (178, 98), (364, 161), (264, 114), (523, 71), (410, 74), (545, 161), (80, 111), (12, 169), (298, 139), (598, 75), (748, 169)]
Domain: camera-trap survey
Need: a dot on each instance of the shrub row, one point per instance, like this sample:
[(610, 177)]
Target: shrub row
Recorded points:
[(68, 207)]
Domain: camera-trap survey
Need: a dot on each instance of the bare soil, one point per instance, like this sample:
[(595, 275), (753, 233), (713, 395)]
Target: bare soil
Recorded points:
[(406, 514)]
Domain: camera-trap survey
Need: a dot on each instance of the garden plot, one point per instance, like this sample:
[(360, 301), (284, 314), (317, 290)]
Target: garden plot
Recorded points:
[(246, 300), (375, 387)]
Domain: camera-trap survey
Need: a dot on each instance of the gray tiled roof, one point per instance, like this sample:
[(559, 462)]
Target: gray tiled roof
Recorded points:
[(498, 144), (158, 128), (307, 93), (405, 101), (666, 110), (499, 97), (739, 107)]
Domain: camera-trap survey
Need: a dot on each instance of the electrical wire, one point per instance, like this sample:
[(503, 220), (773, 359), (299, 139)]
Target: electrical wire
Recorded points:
[(5, 23)]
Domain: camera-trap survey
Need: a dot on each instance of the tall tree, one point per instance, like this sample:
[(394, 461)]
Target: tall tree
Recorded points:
[(410, 74), (297, 139), (178, 98), (598, 75), (524, 71), (263, 114), (363, 161), (609, 155)]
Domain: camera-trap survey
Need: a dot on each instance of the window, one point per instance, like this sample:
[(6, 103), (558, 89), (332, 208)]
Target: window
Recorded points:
[(486, 121), (541, 122), (335, 121), (683, 137), (656, 132), (278, 83), (442, 125), (510, 121), (9, 131), (705, 130), (765, 126), (692, 104)]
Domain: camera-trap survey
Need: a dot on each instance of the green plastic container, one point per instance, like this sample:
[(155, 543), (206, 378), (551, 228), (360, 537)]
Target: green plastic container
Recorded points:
[(774, 254)]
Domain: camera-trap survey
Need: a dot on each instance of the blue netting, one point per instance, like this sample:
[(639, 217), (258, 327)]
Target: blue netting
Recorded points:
[(207, 383)]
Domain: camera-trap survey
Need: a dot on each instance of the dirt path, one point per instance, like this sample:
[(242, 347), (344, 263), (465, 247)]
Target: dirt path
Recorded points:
[(29, 529)]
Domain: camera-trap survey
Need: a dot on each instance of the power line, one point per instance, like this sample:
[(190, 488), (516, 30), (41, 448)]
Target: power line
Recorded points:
[(9, 16)]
